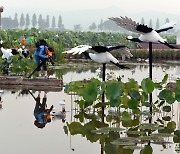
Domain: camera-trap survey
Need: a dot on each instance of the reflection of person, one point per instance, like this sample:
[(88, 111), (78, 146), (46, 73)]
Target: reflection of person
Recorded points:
[(1, 102), (41, 113)]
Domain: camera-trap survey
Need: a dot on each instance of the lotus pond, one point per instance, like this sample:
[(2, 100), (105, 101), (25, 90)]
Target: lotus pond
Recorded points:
[(120, 124)]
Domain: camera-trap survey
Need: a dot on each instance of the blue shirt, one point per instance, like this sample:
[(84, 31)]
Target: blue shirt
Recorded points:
[(41, 51), (40, 117)]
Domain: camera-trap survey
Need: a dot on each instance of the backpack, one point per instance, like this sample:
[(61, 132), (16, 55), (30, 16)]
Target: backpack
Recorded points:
[(41, 42)]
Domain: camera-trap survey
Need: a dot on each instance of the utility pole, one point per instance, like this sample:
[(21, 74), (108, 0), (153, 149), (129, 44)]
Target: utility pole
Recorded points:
[(1, 10)]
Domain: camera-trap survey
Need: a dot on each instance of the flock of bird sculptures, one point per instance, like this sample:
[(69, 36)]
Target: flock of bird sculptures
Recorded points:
[(102, 54)]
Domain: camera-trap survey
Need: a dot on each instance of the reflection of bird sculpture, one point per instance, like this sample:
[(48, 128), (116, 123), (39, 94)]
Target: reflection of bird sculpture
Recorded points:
[(102, 54), (147, 33), (112, 76), (56, 114)]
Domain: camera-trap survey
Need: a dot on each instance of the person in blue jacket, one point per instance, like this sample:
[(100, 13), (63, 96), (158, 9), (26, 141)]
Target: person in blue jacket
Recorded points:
[(41, 56)]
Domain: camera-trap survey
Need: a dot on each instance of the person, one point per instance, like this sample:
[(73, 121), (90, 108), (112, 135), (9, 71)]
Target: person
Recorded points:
[(41, 56), (41, 113)]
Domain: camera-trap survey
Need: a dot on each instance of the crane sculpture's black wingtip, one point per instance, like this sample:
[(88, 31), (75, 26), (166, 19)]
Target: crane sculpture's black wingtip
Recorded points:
[(123, 67), (171, 46), (120, 66)]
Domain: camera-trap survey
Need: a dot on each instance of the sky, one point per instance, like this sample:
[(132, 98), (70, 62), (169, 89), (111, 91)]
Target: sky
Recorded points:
[(132, 6), (65, 8)]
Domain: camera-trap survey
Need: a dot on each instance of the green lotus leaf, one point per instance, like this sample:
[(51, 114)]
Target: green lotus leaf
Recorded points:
[(166, 118), (123, 143), (106, 130), (135, 132), (171, 125), (167, 95), (90, 91), (75, 128), (134, 95), (147, 150), (163, 135), (128, 139), (150, 126), (131, 85), (148, 138), (133, 104), (161, 142), (177, 133), (177, 94), (114, 89), (147, 104), (164, 80), (147, 85), (126, 116), (115, 102), (133, 147), (166, 108)]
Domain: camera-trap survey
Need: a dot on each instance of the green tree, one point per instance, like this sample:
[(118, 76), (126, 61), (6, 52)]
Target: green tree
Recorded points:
[(43, 24), (34, 20), (100, 26), (27, 21), (167, 20), (157, 24), (16, 23), (53, 22), (93, 26), (60, 25), (150, 23), (22, 21), (47, 22), (109, 25), (142, 21), (40, 21), (77, 28), (171, 30)]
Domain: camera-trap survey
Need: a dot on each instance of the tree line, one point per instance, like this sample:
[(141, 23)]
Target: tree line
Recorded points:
[(24, 22), (109, 25)]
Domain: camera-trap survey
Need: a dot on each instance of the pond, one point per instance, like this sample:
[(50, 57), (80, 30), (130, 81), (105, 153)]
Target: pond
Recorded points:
[(19, 134)]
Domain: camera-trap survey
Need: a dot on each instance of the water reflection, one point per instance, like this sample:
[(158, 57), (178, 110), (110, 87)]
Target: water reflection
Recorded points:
[(77, 126), (1, 99), (59, 114)]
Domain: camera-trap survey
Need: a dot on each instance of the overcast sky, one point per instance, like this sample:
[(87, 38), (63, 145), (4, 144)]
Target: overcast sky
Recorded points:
[(135, 9), (132, 6)]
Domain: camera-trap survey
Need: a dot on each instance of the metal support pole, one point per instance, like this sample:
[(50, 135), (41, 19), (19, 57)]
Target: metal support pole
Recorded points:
[(150, 76), (103, 94), (0, 22), (150, 60), (1, 10), (104, 72)]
